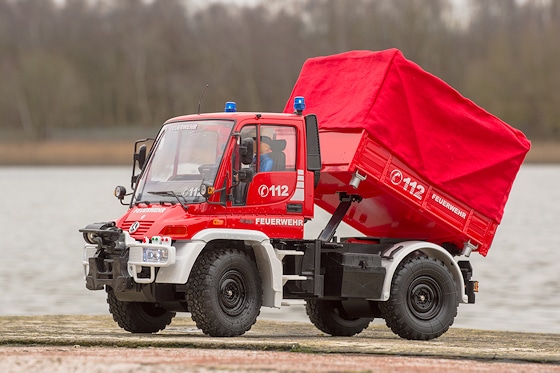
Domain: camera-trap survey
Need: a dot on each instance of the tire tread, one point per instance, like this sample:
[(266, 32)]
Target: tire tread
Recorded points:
[(395, 315)]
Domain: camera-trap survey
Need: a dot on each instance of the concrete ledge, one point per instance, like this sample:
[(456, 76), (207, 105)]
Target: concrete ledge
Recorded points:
[(101, 331)]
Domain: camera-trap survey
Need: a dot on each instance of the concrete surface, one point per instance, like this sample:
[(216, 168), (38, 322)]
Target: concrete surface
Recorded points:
[(101, 331)]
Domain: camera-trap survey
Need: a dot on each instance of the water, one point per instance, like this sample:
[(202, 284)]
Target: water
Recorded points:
[(41, 272)]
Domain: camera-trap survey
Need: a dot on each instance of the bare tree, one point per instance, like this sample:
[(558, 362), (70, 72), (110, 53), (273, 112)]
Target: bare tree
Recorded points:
[(103, 64)]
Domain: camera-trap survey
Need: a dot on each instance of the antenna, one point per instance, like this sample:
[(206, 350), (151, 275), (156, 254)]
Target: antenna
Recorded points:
[(200, 99)]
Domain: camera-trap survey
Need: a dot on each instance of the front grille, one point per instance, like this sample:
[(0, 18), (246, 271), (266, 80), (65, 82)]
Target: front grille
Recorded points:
[(142, 229)]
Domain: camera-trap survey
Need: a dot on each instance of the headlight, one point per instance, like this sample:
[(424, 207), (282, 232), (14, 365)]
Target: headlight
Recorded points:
[(90, 237), (120, 192), (104, 235), (155, 255), (203, 189), (206, 190)]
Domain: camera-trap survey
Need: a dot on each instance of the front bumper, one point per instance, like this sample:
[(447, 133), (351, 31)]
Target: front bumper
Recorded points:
[(134, 262)]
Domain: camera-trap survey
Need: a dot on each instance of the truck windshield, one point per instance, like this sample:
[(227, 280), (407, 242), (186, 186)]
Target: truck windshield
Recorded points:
[(185, 154)]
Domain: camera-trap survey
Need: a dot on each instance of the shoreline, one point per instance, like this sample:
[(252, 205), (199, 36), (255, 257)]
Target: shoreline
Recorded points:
[(119, 152)]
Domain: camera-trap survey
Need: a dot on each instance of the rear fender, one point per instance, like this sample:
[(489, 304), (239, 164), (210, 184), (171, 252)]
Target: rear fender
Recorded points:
[(393, 257), (268, 264)]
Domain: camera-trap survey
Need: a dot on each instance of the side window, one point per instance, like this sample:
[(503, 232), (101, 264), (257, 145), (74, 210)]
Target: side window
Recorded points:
[(277, 148), (274, 148)]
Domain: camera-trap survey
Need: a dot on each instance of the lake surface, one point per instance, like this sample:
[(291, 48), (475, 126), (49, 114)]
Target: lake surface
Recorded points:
[(41, 270)]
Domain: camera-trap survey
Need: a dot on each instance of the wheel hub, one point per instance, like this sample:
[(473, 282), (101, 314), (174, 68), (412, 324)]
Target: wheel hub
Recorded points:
[(232, 293), (425, 297)]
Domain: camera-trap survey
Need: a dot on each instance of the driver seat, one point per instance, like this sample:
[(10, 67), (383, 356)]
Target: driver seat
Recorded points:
[(277, 154)]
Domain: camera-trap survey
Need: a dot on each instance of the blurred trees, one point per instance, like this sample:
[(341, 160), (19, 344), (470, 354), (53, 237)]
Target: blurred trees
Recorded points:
[(115, 63)]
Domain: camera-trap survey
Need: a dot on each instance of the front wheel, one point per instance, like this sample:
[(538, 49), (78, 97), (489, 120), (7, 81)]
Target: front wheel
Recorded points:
[(138, 317), (423, 301), (224, 292), (330, 317)]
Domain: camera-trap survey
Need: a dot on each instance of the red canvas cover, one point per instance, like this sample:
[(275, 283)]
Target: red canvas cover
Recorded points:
[(444, 137)]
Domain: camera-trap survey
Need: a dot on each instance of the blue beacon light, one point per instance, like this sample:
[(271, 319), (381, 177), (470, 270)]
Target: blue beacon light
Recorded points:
[(231, 107), (299, 104)]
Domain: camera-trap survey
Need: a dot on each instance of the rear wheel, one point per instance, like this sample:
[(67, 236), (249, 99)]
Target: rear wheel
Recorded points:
[(138, 317), (329, 317), (423, 301), (224, 292)]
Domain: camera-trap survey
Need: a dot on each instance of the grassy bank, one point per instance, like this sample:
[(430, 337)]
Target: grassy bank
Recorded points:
[(67, 152), (119, 152)]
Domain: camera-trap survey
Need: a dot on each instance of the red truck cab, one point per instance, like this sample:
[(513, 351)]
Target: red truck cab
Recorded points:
[(219, 151)]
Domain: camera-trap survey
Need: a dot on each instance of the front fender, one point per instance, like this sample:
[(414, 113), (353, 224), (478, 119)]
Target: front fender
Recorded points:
[(270, 267), (398, 252)]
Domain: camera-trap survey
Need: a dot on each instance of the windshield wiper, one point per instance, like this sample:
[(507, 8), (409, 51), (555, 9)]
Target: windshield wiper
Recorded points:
[(182, 201)]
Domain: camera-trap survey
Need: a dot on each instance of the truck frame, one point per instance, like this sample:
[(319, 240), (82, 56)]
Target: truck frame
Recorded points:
[(210, 231)]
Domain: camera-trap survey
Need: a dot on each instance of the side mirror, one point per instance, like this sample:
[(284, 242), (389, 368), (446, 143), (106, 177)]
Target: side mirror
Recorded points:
[(245, 175), (140, 157), (246, 151)]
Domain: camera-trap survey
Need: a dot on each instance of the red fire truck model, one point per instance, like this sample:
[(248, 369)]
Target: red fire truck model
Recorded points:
[(216, 219)]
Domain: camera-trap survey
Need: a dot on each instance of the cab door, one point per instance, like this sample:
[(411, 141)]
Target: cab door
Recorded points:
[(272, 202)]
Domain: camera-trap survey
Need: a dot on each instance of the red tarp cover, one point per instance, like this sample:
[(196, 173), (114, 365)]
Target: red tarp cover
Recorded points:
[(443, 136)]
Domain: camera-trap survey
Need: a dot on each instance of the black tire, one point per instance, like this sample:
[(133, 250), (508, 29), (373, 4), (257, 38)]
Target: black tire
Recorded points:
[(138, 317), (423, 301), (224, 292), (329, 317)]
